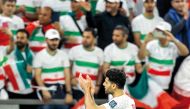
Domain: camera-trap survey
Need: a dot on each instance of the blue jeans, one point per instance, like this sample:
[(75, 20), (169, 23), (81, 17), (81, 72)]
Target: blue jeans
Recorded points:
[(58, 94)]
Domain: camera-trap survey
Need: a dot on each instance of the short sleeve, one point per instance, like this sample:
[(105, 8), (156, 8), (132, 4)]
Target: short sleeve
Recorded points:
[(65, 60), (37, 62), (107, 55), (135, 26)]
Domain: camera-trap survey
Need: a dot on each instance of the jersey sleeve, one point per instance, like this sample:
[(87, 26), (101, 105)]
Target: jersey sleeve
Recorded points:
[(65, 61), (135, 26), (37, 63), (107, 55)]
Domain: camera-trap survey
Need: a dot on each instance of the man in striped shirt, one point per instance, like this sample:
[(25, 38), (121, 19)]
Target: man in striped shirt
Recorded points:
[(162, 54), (87, 59), (52, 69)]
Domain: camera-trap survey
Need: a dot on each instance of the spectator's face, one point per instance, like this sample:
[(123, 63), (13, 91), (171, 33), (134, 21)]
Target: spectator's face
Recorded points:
[(112, 7), (109, 86), (118, 37), (149, 6), (178, 5), (9, 8), (21, 40), (45, 16), (52, 43), (88, 39), (75, 6)]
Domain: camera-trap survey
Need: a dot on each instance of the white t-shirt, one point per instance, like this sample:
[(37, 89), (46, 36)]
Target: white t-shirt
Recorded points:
[(182, 78), (63, 6), (14, 23), (52, 66), (121, 102), (161, 61), (100, 6), (30, 5), (86, 62), (143, 25), (125, 58)]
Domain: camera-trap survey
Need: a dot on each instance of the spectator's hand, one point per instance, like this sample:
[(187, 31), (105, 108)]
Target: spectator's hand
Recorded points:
[(148, 38), (21, 9), (46, 96), (6, 31), (68, 98), (123, 11), (85, 5), (29, 68), (36, 24), (170, 36), (185, 11), (74, 82)]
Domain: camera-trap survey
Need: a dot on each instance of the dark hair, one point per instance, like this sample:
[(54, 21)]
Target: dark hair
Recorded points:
[(4, 1), (24, 31), (123, 29), (92, 30), (117, 76)]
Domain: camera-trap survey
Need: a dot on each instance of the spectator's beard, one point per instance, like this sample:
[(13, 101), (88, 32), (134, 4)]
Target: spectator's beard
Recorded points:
[(20, 45), (53, 47)]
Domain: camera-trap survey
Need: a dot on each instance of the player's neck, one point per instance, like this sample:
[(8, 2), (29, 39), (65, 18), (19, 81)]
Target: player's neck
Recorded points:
[(118, 92), (149, 15)]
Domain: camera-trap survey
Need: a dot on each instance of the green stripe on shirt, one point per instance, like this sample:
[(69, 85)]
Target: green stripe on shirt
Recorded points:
[(121, 63), (38, 38), (163, 62), (53, 70), (70, 33), (86, 64)]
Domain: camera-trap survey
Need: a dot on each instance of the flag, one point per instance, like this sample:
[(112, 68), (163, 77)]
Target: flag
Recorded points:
[(17, 75), (149, 92)]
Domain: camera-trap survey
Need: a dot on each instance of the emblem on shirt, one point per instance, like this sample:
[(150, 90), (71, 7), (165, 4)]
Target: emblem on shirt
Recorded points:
[(112, 104)]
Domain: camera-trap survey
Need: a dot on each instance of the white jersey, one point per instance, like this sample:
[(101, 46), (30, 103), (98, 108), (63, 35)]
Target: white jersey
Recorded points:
[(14, 23), (161, 61), (181, 80), (52, 66), (86, 62), (63, 6), (71, 31), (3, 60), (143, 25), (30, 5), (125, 58), (100, 6), (121, 102)]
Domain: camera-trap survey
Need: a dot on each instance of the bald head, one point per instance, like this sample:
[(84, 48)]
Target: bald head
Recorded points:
[(45, 15)]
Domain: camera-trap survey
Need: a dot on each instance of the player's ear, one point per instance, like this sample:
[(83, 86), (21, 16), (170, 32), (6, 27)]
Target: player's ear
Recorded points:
[(114, 86)]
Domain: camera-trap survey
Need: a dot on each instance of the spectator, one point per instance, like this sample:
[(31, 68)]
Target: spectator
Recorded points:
[(52, 69), (180, 89), (28, 10), (106, 21), (122, 54), (4, 51), (162, 54), (101, 7), (8, 19), (22, 53), (145, 22), (38, 28), (163, 7), (87, 59), (73, 24), (178, 17)]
